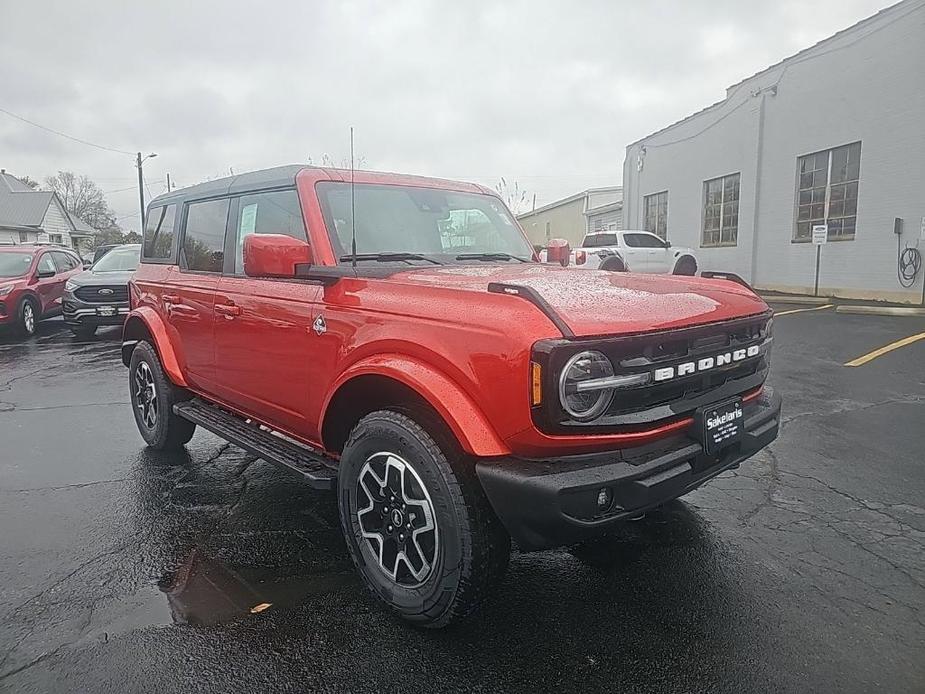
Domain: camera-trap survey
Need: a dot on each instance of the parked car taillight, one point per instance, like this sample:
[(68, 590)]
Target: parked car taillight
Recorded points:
[(580, 257)]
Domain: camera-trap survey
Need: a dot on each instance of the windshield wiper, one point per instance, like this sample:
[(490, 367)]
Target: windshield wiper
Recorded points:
[(490, 256), (387, 257)]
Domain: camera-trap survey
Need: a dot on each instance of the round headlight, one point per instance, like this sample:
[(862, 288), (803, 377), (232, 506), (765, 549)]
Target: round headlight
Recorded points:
[(585, 404)]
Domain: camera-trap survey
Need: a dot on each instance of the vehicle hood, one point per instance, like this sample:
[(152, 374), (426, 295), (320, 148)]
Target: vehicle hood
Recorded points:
[(90, 278), (595, 302)]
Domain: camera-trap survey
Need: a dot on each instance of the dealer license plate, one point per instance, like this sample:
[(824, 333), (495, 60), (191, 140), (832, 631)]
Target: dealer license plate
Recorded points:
[(721, 425), (106, 311)]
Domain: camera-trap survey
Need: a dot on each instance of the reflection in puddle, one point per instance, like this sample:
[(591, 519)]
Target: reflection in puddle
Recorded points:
[(204, 591)]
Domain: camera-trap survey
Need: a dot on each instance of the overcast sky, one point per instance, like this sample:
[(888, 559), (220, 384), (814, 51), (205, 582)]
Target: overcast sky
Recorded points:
[(544, 93)]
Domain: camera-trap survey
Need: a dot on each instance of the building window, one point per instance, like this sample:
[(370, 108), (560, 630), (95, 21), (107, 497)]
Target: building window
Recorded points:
[(54, 238), (23, 236), (827, 192), (656, 207), (721, 211)]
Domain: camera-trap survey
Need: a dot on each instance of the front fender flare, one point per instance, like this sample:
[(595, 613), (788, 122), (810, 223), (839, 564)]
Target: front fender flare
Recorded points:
[(143, 322), (464, 418)]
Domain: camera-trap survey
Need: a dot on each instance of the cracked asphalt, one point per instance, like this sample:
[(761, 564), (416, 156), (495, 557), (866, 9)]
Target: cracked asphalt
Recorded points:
[(122, 570)]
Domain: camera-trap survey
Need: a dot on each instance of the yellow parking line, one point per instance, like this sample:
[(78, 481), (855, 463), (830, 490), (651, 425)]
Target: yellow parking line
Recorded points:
[(860, 361), (801, 310)]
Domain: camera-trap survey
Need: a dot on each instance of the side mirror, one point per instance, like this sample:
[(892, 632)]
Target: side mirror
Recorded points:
[(667, 244), (274, 255), (558, 251), (45, 274), (87, 265)]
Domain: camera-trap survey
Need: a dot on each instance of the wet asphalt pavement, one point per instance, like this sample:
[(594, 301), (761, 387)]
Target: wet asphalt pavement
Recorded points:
[(122, 570)]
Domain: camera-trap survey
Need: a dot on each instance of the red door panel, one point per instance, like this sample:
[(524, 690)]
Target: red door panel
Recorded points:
[(264, 343), (187, 300)]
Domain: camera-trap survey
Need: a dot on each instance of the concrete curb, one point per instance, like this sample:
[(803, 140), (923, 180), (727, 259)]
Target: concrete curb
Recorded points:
[(881, 310), (789, 299)]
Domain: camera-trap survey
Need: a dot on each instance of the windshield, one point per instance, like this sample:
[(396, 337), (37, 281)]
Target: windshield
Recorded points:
[(440, 224), (14, 264), (599, 240), (119, 260)]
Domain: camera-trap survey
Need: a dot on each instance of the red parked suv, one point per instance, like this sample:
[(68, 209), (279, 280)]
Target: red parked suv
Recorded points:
[(396, 339), (32, 280)]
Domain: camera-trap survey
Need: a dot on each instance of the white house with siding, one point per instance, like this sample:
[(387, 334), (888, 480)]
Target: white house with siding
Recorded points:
[(833, 135), (38, 216)]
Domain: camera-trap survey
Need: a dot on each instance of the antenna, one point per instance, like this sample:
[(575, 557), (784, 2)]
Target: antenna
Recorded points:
[(353, 221)]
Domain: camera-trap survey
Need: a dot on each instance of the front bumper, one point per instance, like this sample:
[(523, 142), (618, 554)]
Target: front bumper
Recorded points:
[(88, 315), (554, 502)]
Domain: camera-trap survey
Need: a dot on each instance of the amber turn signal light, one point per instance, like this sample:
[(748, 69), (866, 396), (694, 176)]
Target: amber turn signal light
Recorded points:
[(536, 384)]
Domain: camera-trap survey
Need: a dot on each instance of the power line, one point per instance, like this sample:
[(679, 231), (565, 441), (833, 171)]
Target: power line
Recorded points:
[(64, 135)]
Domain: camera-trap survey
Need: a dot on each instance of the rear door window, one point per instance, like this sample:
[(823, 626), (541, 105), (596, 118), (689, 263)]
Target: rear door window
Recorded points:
[(204, 236), (599, 240), (274, 212), (64, 261), (158, 242)]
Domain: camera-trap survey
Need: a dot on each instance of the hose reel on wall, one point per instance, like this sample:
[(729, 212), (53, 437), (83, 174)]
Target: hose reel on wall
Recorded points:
[(908, 259)]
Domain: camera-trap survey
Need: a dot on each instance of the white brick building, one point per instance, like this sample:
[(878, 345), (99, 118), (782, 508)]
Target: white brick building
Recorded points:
[(834, 134)]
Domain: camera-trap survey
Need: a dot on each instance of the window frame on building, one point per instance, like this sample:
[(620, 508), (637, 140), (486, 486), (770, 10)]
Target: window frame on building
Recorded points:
[(661, 201), (726, 235), (845, 198)]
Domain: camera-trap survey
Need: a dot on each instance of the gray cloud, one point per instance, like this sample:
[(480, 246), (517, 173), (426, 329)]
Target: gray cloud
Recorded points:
[(546, 93)]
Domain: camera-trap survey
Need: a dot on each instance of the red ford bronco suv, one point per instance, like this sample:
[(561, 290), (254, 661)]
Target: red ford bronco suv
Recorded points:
[(396, 339)]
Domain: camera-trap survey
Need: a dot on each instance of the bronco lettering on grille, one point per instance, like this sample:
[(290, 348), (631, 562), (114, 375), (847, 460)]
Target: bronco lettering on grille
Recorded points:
[(705, 364)]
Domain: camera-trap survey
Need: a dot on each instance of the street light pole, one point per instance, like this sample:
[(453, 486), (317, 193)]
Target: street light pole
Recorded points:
[(141, 186)]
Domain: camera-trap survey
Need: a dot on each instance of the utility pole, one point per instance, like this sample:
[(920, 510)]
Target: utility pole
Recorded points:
[(168, 181), (141, 191), (141, 186)]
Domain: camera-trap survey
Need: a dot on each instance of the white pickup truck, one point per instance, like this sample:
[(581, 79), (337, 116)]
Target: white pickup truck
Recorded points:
[(631, 250)]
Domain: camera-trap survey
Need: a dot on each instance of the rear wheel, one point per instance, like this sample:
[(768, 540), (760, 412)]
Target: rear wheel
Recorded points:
[(613, 265), (417, 523), (686, 266), (28, 317), (153, 397)]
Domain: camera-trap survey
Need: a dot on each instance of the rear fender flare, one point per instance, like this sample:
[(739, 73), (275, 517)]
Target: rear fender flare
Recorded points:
[(144, 323), (465, 419)]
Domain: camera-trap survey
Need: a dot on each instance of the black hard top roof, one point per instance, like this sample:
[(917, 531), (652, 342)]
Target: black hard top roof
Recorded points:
[(277, 177)]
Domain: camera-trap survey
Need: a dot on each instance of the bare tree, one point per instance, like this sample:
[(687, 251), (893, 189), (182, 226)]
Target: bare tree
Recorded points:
[(515, 198), (359, 162), (82, 198)]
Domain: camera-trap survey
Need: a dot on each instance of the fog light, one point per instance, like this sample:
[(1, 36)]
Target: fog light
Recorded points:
[(604, 497)]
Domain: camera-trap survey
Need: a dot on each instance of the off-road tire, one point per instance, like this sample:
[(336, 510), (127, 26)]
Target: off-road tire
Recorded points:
[(83, 332), (22, 324), (613, 265), (686, 266), (473, 548), (167, 431)]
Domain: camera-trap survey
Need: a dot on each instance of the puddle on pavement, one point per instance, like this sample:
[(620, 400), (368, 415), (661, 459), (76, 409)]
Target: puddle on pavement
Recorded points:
[(205, 591)]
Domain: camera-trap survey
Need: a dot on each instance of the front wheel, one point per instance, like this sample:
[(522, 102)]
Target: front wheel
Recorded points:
[(28, 318), (83, 332), (417, 523), (153, 397), (686, 266)]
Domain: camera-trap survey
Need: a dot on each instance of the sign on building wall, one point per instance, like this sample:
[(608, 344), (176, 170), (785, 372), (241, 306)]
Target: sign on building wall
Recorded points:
[(820, 234)]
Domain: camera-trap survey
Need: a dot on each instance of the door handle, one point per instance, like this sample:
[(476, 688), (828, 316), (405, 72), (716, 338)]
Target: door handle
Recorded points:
[(228, 310)]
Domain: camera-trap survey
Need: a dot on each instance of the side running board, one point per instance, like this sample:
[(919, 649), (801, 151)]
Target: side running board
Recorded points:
[(317, 470)]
